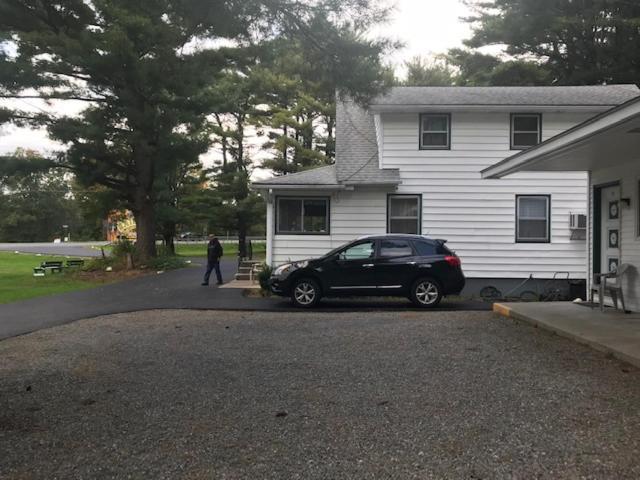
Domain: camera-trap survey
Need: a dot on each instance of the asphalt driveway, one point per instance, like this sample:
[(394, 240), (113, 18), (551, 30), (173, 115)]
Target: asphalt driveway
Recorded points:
[(176, 289), (235, 395)]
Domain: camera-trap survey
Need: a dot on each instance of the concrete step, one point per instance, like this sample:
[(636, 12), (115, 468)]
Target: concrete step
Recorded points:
[(246, 263), (246, 276)]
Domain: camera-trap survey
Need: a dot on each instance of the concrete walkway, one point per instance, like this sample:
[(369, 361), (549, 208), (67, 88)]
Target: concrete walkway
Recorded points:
[(612, 332)]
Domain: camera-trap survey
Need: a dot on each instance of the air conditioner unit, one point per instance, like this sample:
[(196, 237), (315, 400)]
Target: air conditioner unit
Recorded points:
[(577, 221)]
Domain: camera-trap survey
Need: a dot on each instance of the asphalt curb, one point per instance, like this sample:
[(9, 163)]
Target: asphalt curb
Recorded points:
[(508, 312)]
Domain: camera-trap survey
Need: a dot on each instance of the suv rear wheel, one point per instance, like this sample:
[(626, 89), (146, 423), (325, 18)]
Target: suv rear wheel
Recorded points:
[(426, 292), (305, 293)]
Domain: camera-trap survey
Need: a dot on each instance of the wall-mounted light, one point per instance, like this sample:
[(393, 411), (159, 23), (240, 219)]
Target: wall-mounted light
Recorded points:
[(626, 202)]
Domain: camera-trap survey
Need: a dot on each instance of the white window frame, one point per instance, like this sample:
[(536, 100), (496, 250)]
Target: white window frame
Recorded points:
[(327, 201), (538, 117), (418, 218), (422, 131), (547, 218)]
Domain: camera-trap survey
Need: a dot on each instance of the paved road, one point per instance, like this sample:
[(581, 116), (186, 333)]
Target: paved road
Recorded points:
[(233, 395), (72, 249), (174, 289)]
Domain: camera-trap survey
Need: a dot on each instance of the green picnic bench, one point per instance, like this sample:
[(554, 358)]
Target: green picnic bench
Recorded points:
[(51, 266), (75, 262)]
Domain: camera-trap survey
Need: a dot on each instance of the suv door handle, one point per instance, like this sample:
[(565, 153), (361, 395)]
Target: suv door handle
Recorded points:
[(368, 265)]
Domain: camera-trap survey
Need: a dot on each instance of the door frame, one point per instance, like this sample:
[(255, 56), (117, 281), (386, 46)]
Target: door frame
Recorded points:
[(596, 256)]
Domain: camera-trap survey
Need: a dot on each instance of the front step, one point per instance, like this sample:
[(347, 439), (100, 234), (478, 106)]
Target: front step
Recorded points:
[(248, 270)]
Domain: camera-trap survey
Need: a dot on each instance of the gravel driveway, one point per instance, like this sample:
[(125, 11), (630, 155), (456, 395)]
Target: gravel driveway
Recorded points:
[(184, 394)]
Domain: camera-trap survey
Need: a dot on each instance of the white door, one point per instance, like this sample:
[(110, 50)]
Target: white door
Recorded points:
[(610, 218)]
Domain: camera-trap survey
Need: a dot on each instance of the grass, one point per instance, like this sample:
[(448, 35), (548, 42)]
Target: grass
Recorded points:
[(230, 250), (18, 283)]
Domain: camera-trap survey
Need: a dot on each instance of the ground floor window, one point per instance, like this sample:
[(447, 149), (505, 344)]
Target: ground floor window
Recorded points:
[(533, 214), (302, 215), (404, 214)]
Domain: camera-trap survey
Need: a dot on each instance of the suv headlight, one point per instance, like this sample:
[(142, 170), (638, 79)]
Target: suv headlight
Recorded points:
[(282, 269), (287, 267)]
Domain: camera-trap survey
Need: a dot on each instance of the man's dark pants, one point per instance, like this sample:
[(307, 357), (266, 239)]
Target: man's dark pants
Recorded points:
[(213, 265)]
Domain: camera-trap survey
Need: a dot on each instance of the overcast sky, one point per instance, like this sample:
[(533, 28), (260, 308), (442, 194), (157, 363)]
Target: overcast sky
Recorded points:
[(426, 27)]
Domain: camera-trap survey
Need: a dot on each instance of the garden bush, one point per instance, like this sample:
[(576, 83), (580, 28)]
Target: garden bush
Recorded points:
[(263, 277)]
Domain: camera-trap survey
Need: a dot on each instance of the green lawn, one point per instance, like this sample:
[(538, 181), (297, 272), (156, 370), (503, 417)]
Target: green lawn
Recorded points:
[(230, 250), (18, 283)]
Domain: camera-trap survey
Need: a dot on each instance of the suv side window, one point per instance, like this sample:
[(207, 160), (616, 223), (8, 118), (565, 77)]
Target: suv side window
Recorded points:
[(395, 248), (358, 252), (426, 249)]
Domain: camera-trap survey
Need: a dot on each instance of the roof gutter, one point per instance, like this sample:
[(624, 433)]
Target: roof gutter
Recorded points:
[(417, 108), (288, 186)]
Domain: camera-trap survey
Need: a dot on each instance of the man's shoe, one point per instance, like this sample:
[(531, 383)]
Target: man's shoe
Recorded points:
[(220, 283), (204, 284)]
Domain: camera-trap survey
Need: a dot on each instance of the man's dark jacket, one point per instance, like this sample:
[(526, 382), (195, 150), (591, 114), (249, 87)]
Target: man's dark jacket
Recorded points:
[(214, 250)]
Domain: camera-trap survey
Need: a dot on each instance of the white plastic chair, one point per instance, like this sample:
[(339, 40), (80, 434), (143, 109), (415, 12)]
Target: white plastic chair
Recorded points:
[(610, 284)]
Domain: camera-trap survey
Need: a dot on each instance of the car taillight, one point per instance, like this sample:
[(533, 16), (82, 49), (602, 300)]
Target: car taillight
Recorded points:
[(453, 261)]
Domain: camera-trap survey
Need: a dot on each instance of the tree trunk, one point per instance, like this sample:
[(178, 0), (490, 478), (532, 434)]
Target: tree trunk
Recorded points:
[(145, 227)]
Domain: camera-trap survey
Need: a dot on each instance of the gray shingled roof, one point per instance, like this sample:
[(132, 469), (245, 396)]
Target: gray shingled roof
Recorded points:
[(356, 155), (357, 148), (316, 176), (608, 95)]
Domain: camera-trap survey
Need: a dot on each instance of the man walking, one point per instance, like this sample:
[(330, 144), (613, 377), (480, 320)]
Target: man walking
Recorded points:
[(214, 252)]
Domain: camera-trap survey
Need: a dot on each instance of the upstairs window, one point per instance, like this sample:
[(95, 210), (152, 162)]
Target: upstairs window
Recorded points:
[(526, 130), (302, 216), (404, 214), (435, 131), (533, 214)]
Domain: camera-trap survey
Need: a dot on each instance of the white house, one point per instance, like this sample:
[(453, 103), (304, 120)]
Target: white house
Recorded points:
[(412, 162), (608, 147)]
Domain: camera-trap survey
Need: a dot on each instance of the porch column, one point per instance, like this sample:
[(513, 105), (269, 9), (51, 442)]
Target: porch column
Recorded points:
[(270, 228)]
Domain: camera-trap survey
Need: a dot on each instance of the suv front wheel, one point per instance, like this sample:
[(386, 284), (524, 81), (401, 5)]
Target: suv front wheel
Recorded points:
[(426, 292), (305, 293)]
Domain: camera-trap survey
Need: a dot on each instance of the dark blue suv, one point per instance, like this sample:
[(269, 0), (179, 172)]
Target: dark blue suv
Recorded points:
[(415, 266)]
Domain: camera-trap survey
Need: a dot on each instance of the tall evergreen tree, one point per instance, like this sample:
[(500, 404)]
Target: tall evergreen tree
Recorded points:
[(422, 71), (144, 67), (580, 42)]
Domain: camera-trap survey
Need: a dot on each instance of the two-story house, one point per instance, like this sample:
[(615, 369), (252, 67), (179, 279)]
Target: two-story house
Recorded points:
[(412, 162)]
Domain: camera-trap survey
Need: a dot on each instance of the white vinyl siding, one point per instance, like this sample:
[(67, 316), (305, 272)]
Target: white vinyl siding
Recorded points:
[(628, 175), (477, 216)]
